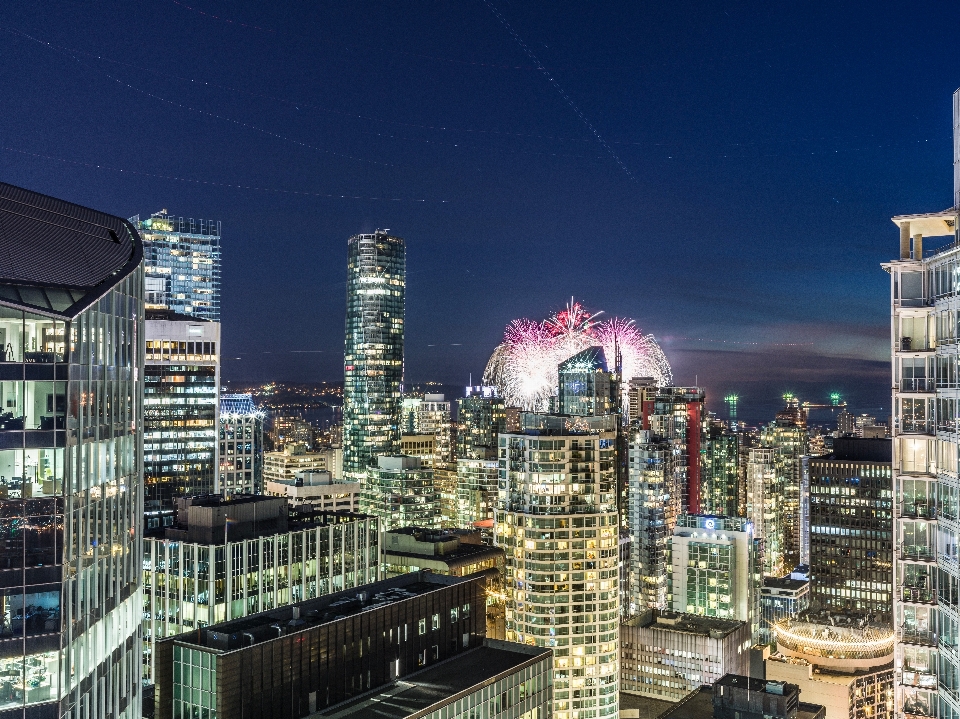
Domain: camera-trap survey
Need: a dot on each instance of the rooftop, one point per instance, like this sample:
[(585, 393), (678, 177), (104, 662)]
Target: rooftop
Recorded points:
[(787, 583), (699, 705), (238, 404), (262, 627), (415, 693), (57, 257), (688, 623), (857, 449), (930, 224)]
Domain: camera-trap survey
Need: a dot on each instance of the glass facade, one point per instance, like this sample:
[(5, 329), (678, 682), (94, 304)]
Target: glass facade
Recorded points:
[(373, 354), (241, 445), (70, 508), (477, 481), (180, 413), (586, 388), (189, 585), (720, 491), (557, 521), (182, 263), (480, 419), (402, 494)]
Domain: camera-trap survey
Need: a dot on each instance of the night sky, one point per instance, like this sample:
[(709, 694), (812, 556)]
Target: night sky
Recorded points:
[(724, 173)]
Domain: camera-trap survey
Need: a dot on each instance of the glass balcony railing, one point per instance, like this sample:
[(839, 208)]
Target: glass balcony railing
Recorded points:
[(916, 426), (918, 384), (916, 553), (915, 344), (918, 510), (923, 637), (919, 595)]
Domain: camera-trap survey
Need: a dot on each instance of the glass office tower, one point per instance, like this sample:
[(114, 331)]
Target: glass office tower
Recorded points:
[(71, 330), (373, 355), (182, 264)]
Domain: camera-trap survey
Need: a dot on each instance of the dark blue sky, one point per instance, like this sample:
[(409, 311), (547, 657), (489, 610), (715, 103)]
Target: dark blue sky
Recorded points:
[(762, 149)]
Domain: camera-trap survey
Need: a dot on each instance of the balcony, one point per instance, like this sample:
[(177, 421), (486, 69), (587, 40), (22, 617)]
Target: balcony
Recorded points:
[(916, 553), (919, 595), (917, 510), (907, 425), (915, 344), (917, 636), (918, 384)]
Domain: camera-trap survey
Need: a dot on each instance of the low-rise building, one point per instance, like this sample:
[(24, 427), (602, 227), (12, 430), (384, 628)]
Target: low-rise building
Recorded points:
[(740, 697), (840, 661), (781, 598), (667, 655), (497, 679), (225, 559), (312, 655), (295, 457), (318, 490), (455, 552)]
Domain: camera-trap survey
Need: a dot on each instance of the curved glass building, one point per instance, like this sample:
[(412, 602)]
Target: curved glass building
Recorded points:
[(71, 319), (373, 355)]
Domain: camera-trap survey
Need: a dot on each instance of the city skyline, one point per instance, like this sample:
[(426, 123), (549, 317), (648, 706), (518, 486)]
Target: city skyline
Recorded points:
[(840, 158)]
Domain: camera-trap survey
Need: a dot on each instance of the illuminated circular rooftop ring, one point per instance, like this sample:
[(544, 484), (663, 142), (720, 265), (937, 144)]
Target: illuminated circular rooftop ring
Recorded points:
[(523, 367), (846, 647)]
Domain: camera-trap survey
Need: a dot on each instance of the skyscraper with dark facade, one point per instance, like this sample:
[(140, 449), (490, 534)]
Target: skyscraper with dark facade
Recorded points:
[(851, 529), (71, 328), (373, 354)]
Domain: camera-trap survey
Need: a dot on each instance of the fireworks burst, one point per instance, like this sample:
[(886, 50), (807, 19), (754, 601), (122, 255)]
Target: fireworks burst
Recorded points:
[(524, 366)]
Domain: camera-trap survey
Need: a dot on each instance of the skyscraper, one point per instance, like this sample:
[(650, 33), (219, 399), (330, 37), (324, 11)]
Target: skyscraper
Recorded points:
[(71, 530), (182, 381), (851, 529), (923, 292), (241, 445), (182, 264), (373, 354), (559, 528), (481, 417), (720, 489), (586, 387)]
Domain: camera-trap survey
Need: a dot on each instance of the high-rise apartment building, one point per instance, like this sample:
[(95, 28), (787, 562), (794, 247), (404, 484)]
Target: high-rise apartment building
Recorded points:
[(373, 355), (787, 436), (851, 529), (401, 493), (241, 445), (923, 292), (181, 386), (181, 264), (765, 508), (433, 417), (720, 488), (676, 415), (71, 527), (586, 387), (557, 521), (652, 509), (481, 417), (664, 473), (477, 486)]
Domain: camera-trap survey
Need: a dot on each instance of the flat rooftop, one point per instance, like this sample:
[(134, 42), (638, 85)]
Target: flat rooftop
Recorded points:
[(416, 692), (699, 705), (689, 623), (784, 583), (316, 612)]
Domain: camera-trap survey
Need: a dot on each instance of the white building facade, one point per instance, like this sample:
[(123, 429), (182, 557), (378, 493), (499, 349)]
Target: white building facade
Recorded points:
[(925, 307)]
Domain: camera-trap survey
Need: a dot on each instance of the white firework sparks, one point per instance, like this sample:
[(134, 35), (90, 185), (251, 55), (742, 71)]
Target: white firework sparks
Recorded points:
[(524, 366)]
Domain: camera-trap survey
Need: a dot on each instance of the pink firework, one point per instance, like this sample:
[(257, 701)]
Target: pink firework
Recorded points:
[(524, 366)]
